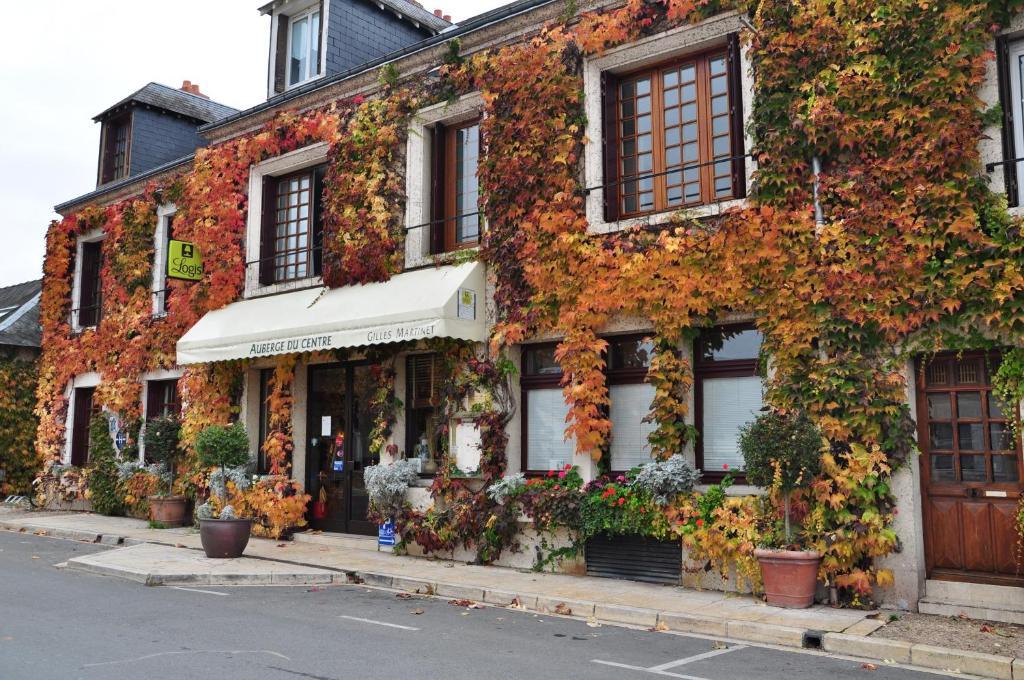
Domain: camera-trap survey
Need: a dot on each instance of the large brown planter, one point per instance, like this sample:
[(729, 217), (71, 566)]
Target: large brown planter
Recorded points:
[(224, 537), (171, 511), (789, 576)]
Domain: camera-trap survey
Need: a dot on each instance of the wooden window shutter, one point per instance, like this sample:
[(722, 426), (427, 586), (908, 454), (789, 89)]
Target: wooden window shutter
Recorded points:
[(438, 164), (739, 166), (281, 55), (90, 297), (1006, 103), (154, 399), (320, 41), (80, 426), (422, 370), (317, 227), (610, 191), (268, 223)]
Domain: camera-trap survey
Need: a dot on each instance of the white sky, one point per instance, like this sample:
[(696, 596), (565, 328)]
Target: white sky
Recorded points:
[(90, 55)]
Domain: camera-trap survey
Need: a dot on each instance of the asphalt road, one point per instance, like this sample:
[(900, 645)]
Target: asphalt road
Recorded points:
[(58, 624)]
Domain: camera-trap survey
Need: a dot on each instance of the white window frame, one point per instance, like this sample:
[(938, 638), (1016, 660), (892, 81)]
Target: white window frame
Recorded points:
[(164, 213), (1015, 69), (676, 42), (303, 158), (310, 72), (91, 379), (93, 236), (419, 170), (166, 374)]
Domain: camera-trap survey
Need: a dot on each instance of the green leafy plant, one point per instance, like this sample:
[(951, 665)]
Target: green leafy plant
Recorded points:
[(225, 447), (162, 446), (102, 470), (782, 451)]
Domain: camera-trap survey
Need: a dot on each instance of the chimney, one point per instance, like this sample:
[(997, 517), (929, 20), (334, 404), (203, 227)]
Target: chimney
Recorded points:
[(192, 88), (439, 13), (448, 18)]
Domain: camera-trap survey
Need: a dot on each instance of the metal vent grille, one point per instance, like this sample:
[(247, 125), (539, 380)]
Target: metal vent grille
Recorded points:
[(635, 558)]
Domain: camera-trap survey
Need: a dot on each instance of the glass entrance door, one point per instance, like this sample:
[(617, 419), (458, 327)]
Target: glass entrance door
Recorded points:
[(338, 447)]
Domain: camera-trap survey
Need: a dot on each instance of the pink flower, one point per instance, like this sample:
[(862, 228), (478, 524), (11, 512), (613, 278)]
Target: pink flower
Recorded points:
[(620, 478), (561, 475), (557, 487), (621, 501), (551, 473)]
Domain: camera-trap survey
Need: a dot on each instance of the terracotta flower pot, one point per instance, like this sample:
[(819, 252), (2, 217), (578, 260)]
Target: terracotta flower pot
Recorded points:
[(224, 538), (789, 576), (168, 510)]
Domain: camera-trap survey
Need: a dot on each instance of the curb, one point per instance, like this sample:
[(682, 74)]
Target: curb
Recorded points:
[(925, 656)]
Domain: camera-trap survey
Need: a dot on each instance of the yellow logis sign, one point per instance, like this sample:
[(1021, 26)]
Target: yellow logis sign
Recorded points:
[(184, 261)]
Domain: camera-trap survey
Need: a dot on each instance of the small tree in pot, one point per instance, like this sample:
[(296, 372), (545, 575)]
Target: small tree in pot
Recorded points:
[(162, 439), (226, 448), (782, 451)]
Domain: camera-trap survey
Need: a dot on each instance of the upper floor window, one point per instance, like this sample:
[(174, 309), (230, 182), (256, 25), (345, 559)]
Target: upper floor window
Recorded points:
[(290, 247), (89, 305), (1010, 67), (116, 145), (673, 135), (298, 55), (455, 212)]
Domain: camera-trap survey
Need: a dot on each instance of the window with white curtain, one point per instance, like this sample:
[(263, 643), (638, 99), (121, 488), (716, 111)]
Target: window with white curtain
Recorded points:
[(630, 404), (729, 394), (546, 445)]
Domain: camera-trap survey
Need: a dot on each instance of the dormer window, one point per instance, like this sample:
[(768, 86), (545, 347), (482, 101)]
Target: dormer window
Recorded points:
[(116, 143), (304, 48)]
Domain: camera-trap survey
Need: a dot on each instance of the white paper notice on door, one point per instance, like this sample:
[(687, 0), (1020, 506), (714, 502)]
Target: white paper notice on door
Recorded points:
[(325, 426)]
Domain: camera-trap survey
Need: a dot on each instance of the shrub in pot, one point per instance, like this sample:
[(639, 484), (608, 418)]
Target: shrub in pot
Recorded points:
[(225, 448), (386, 486), (162, 447), (782, 452)]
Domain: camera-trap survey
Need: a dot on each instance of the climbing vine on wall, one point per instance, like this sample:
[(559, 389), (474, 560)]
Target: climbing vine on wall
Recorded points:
[(17, 426)]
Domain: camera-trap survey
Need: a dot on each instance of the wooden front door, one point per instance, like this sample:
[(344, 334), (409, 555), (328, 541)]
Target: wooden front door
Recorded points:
[(970, 472)]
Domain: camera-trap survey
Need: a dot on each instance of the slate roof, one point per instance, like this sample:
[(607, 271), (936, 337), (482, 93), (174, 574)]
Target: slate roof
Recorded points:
[(19, 314), (176, 101), (409, 10)]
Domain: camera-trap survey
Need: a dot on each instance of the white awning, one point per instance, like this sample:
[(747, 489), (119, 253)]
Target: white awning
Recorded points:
[(428, 303)]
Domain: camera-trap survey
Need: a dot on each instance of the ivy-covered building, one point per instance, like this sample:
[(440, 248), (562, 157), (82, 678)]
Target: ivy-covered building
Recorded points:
[(19, 347), (562, 240)]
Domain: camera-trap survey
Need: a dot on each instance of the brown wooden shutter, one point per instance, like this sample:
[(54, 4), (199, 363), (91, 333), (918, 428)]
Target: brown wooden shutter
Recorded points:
[(281, 56), (317, 226), (90, 298), (423, 381), (268, 223), (1006, 102), (438, 164), (320, 41), (80, 426), (154, 399), (735, 70), (610, 191)]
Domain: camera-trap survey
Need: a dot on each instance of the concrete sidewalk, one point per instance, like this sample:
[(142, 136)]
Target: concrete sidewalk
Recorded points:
[(348, 559)]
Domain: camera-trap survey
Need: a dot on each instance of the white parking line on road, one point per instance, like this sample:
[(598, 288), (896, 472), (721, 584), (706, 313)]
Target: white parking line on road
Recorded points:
[(377, 623), (197, 590), (663, 669)]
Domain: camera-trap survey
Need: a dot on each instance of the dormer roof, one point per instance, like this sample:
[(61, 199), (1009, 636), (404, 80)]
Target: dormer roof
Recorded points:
[(404, 9), (184, 103)]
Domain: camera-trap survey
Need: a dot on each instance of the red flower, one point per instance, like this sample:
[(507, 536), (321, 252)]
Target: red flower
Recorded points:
[(567, 467), (621, 501), (725, 466), (700, 522), (551, 473), (557, 487), (620, 478)]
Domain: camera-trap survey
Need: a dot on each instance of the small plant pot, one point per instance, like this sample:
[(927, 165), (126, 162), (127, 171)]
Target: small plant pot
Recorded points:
[(170, 511), (789, 576), (224, 538)]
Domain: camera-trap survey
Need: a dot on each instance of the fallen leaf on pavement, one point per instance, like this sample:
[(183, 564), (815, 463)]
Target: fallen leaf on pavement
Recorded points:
[(460, 603), (985, 628), (403, 596), (592, 622), (180, 545), (465, 613), (516, 604), (417, 612), (660, 627), (720, 645), (35, 557), (869, 666), (314, 589), (282, 545), (563, 609)]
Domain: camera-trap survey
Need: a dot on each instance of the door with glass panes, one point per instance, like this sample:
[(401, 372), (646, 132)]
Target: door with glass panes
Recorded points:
[(970, 471)]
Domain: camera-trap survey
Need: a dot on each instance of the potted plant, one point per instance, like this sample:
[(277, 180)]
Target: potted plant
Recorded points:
[(782, 451), (225, 447), (165, 508)]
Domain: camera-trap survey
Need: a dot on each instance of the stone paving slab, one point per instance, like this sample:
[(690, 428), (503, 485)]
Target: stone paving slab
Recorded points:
[(161, 565)]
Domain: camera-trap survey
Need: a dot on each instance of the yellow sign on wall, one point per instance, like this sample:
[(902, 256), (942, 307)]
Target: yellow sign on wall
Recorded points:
[(184, 261)]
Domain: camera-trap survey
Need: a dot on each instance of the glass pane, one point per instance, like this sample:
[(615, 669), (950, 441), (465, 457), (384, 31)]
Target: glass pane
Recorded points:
[(729, 403), (1000, 437), (547, 448), (942, 468), (314, 43), (727, 345), (972, 468), (940, 436), (1004, 469), (541, 361), (968, 405), (631, 353), (971, 436), (937, 374), (630, 404), (969, 372), (995, 409), (297, 67)]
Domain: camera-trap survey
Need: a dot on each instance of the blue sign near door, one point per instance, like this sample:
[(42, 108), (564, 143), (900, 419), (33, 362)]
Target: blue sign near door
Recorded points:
[(386, 534)]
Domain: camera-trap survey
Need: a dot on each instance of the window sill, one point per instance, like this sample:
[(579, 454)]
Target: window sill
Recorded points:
[(284, 287), (664, 218)]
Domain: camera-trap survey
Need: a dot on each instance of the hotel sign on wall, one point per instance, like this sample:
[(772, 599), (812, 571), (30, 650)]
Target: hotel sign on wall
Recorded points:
[(184, 261)]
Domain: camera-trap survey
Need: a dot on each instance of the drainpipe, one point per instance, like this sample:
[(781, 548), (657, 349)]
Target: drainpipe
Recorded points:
[(819, 215)]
